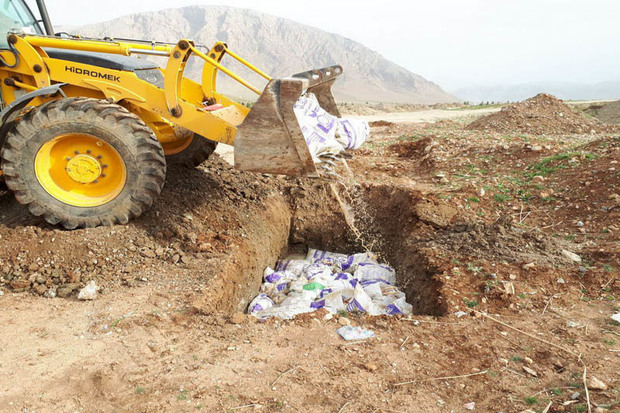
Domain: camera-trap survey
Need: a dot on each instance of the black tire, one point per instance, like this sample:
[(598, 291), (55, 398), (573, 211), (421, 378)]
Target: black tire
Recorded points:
[(136, 144), (198, 151)]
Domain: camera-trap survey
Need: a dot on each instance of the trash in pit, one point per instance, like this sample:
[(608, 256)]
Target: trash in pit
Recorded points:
[(336, 282)]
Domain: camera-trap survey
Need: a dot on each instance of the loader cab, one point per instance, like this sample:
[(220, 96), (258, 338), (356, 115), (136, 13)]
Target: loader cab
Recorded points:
[(15, 15)]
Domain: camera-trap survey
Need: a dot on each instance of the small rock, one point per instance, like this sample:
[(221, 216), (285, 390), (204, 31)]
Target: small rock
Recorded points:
[(1, 293), (39, 289), (599, 410), (89, 292), (575, 395), (370, 367), (571, 256), (344, 321), (509, 288), (66, 290), (529, 266), (561, 281), (19, 284), (530, 371), (238, 318), (51, 293), (538, 178), (512, 276), (579, 224), (444, 181), (596, 384), (572, 324), (582, 269), (328, 316), (536, 148), (470, 406), (528, 360), (481, 192), (147, 252)]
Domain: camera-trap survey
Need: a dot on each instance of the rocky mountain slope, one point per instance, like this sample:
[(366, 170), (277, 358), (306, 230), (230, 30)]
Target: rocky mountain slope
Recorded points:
[(280, 47)]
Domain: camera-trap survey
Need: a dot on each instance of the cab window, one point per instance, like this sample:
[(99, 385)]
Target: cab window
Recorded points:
[(15, 16)]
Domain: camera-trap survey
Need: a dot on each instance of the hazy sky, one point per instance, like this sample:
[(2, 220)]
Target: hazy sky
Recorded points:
[(451, 42)]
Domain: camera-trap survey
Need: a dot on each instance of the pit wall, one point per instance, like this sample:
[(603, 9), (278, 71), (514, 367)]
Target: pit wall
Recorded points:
[(241, 276)]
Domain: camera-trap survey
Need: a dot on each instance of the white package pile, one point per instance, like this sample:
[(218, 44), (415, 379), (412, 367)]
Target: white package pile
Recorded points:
[(325, 133), (336, 282)]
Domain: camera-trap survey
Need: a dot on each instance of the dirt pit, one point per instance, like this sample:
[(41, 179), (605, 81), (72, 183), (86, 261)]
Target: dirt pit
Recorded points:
[(318, 221)]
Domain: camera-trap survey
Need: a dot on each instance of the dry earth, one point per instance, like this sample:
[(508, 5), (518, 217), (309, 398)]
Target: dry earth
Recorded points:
[(477, 223)]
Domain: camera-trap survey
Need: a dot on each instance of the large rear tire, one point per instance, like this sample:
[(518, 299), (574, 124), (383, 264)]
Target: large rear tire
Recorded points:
[(193, 152), (82, 162)]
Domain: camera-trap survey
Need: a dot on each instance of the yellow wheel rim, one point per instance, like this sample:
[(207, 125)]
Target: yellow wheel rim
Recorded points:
[(80, 170), (174, 147)]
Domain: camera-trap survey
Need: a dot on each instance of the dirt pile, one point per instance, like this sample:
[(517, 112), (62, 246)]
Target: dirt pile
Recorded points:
[(542, 114), (605, 112)]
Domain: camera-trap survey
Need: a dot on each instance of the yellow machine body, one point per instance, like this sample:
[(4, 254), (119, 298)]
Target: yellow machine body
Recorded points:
[(87, 130)]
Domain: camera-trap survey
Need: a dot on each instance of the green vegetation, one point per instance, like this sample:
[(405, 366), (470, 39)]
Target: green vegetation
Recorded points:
[(548, 165), (501, 198), (531, 400), (470, 303), (140, 390)]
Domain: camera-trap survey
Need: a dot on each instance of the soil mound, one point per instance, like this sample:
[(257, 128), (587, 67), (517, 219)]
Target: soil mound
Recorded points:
[(606, 112), (542, 114)]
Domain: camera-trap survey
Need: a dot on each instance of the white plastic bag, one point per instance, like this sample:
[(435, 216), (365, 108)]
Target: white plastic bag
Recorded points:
[(259, 303), (352, 133), (366, 271), (294, 264), (317, 126)]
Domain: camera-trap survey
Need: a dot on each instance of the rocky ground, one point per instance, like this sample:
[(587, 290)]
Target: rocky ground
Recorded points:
[(506, 243)]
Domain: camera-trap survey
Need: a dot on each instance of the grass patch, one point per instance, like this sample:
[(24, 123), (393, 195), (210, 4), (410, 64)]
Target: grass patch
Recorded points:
[(548, 165), (531, 400), (470, 303), (501, 198)]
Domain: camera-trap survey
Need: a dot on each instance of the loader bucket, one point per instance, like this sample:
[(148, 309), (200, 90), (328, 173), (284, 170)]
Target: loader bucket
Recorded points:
[(270, 140)]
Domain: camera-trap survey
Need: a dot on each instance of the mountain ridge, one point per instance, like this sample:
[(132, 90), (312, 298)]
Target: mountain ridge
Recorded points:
[(281, 47)]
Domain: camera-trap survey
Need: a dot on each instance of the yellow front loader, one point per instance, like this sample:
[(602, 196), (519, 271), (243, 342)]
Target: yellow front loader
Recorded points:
[(86, 131)]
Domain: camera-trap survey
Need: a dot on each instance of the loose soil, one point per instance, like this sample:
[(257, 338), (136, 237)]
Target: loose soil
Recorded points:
[(473, 221), (542, 114), (608, 112)]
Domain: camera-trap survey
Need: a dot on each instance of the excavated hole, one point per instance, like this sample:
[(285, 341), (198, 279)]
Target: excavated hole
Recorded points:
[(317, 221)]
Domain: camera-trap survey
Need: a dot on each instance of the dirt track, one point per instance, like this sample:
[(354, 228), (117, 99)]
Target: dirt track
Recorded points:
[(160, 337)]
